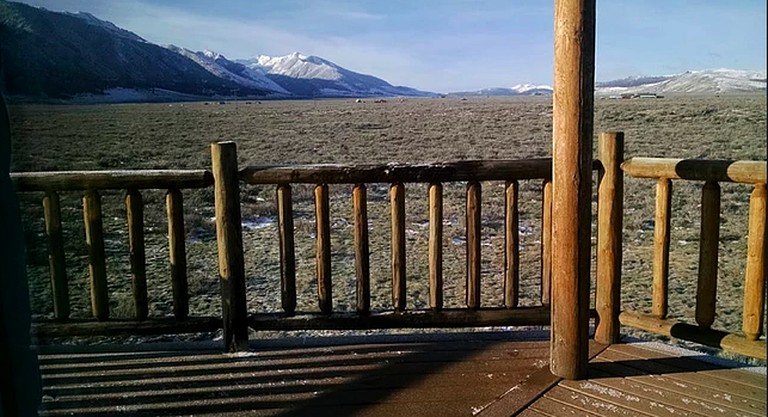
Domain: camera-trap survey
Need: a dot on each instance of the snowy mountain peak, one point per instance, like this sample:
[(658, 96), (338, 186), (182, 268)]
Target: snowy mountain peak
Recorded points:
[(297, 65), (524, 88), (710, 81)]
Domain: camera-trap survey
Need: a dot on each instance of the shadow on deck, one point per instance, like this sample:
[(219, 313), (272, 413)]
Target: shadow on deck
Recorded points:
[(460, 374)]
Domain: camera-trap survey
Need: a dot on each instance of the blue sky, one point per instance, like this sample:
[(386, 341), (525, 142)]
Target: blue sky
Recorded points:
[(451, 45)]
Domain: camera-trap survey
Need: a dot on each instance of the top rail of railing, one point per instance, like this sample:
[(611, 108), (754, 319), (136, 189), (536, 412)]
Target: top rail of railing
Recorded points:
[(111, 180), (750, 172)]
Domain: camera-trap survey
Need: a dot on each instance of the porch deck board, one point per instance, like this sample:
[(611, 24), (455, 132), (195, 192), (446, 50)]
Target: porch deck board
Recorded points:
[(466, 374)]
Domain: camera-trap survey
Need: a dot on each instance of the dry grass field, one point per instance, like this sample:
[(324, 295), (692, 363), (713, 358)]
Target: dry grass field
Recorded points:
[(143, 136)]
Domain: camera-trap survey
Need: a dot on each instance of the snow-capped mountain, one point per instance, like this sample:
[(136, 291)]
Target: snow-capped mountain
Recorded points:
[(517, 90), (716, 81), (311, 76), (221, 67)]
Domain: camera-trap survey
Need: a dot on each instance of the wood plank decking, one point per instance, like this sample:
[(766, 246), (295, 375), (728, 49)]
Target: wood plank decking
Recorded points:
[(427, 375)]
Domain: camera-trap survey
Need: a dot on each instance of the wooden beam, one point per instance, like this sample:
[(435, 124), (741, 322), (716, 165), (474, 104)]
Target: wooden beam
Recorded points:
[(474, 205), (323, 249), (177, 251), (572, 185), (661, 237), (511, 244), (111, 180), (751, 172), (610, 209), (397, 202), (56, 260), (436, 246), (546, 243), (134, 206), (362, 259), (97, 268), (482, 170), (153, 326), (754, 284), (230, 245), (706, 293), (287, 249)]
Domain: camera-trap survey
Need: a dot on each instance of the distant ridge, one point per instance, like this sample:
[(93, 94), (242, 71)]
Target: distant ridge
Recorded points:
[(715, 81)]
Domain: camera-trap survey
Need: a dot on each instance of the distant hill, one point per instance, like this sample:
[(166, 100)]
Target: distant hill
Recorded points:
[(717, 81), (518, 90)]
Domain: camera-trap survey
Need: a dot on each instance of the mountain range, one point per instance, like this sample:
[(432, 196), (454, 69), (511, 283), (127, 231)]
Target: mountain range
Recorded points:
[(78, 57)]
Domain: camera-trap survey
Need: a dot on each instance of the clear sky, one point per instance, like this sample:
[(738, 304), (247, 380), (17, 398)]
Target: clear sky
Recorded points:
[(451, 45)]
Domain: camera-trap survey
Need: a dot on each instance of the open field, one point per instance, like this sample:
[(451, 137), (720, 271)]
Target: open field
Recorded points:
[(144, 136)]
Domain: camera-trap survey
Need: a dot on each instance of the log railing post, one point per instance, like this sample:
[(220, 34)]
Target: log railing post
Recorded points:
[(573, 104), (97, 268), (177, 253), (323, 249), (710, 238), (754, 285), (436, 246), (287, 250), (362, 260), (230, 245), (473, 244), (511, 244), (53, 231), (397, 202), (134, 206), (610, 194), (661, 236), (546, 243)]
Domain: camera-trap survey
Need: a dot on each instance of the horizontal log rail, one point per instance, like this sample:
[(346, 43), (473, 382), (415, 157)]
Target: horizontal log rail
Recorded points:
[(711, 172), (153, 326), (751, 172), (91, 183), (111, 180), (459, 171)]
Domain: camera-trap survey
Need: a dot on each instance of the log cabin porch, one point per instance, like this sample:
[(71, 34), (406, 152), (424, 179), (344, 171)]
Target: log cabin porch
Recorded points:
[(578, 366)]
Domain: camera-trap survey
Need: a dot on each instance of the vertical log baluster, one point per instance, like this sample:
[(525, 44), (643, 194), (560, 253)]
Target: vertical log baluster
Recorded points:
[(436, 246), (397, 203), (177, 253), (94, 238), (287, 250), (546, 243), (474, 201), (710, 238), (511, 245), (754, 285), (229, 238), (56, 262), (323, 249), (134, 206), (661, 236), (610, 209), (362, 262)]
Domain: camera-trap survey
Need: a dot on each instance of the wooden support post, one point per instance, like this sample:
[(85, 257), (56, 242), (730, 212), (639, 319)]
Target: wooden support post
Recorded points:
[(323, 249), (546, 242), (97, 268), (709, 240), (397, 202), (134, 207), (661, 235), (362, 261), (572, 182), (610, 208), (56, 263), (474, 201), (436, 246), (229, 235), (511, 245), (287, 250), (754, 285), (177, 253)]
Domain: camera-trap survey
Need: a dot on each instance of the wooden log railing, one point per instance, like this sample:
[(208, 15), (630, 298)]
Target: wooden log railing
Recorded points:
[(711, 172), (473, 173), (91, 183)]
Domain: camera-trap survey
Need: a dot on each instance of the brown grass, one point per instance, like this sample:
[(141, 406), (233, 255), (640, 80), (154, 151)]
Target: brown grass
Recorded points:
[(136, 136)]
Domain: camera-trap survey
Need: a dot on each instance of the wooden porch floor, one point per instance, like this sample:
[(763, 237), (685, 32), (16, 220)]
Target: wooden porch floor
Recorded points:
[(465, 374)]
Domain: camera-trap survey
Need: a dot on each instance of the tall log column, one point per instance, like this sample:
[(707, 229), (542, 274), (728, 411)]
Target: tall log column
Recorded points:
[(572, 183)]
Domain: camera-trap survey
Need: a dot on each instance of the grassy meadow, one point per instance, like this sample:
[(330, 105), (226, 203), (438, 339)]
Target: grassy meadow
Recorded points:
[(149, 136)]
